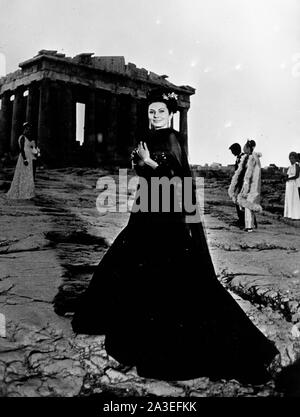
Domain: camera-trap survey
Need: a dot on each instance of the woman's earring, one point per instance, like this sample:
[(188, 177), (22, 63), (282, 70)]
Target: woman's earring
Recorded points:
[(150, 124)]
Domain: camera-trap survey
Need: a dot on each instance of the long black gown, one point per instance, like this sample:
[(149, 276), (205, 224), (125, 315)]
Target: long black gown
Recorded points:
[(156, 298)]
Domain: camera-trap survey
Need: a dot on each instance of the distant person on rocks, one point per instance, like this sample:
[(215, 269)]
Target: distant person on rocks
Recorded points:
[(237, 152), (292, 200), (155, 294), (22, 186), (245, 186)]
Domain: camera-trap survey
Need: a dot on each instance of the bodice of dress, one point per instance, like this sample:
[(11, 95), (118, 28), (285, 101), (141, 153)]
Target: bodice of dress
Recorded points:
[(291, 172), (30, 149), (298, 179), (165, 149)]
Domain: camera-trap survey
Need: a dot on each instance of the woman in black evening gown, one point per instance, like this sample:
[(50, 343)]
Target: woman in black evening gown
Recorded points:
[(155, 295)]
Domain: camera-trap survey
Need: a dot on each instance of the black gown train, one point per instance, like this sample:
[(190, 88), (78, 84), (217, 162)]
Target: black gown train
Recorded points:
[(156, 298)]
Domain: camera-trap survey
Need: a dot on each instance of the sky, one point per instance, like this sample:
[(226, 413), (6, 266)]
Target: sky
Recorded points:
[(241, 56)]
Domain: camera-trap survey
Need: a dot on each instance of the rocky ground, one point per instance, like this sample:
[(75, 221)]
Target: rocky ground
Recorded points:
[(49, 248)]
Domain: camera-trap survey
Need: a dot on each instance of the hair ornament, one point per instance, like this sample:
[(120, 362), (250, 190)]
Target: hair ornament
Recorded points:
[(170, 96)]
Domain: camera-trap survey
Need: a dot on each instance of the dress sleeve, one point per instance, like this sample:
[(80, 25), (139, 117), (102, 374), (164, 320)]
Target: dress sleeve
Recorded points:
[(138, 165)]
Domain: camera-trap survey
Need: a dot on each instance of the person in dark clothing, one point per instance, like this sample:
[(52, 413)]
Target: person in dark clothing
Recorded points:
[(155, 294), (237, 152)]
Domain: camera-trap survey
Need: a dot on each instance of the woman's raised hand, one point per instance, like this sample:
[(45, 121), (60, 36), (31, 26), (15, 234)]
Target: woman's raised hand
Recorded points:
[(143, 151)]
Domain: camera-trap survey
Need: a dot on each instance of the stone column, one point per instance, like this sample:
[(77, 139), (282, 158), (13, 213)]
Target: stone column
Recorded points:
[(112, 126), (5, 120), (46, 144), (128, 129), (66, 120), (101, 111), (90, 123), (133, 122), (101, 126), (16, 124), (32, 108), (183, 127), (142, 120)]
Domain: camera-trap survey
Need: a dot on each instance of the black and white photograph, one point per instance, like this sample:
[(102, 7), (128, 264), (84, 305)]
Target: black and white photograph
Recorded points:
[(149, 202)]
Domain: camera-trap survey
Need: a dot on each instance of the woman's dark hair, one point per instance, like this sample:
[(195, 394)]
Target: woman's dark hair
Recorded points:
[(251, 144), (26, 125), (236, 147), (163, 95)]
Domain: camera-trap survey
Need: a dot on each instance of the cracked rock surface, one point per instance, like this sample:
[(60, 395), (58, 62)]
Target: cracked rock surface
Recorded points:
[(49, 248)]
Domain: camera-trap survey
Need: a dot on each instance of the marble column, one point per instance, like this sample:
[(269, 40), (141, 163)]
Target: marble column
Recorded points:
[(66, 121), (44, 139), (112, 126), (5, 121), (101, 126), (90, 123), (101, 111), (133, 122), (183, 127), (128, 129), (17, 121), (32, 107), (142, 120)]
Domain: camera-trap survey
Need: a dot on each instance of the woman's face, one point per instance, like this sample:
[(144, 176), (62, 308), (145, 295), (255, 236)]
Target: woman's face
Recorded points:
[(27, 130), (246, 149), (292, 159), (159, 115)]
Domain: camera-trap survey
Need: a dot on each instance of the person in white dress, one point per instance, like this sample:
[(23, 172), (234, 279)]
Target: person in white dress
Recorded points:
[(22, 186), (292, 199)]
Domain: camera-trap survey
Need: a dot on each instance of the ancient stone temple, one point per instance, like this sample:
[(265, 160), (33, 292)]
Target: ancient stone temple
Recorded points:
[(51, 91)]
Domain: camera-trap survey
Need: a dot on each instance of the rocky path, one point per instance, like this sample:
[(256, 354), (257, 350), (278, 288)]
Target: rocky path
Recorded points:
[(48, 250)]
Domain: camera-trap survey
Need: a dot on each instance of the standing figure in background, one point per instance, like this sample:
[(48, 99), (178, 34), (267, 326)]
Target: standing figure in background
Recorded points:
[(292, 200), (298, 179), (22, 186), (237, 151), (249, 197)]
